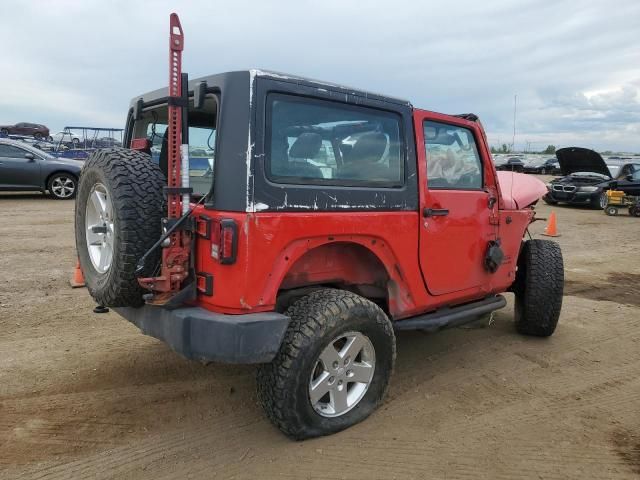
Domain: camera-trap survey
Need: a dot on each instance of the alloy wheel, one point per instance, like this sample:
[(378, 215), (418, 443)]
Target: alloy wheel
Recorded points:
[(63, 186), (603, 200), (99, 228), (342, 374)]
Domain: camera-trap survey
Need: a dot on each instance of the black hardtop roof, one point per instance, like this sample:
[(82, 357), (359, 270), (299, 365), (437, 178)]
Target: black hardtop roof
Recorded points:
[(221, 78)]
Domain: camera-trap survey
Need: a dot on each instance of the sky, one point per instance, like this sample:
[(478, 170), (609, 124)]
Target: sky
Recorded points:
[(574, 65)]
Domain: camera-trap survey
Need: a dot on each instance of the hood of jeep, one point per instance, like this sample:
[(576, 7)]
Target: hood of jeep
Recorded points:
[(577, 159), (520, 190)]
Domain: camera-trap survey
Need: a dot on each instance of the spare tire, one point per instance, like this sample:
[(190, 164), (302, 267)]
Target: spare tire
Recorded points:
[(119, 207)]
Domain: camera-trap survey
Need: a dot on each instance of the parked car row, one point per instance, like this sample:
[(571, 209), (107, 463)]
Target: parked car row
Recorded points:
[(586, 176), (523, 164)]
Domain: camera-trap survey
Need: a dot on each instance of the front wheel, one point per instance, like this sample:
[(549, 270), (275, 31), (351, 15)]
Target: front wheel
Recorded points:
[(538, 288), (333, 367), (611, 211), (599, 201), (543, 171), (62, 186)]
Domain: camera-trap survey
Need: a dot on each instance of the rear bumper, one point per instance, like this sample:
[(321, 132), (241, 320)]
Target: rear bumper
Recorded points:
[(199, 334)]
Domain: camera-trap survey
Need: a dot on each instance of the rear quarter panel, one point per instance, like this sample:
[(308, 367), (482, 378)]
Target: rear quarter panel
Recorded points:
[(270, 243)]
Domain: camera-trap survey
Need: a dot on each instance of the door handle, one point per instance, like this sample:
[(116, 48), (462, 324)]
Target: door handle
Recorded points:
[(435, 212)]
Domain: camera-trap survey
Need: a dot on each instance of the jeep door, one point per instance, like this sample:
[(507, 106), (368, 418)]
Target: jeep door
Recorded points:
[(16, 170), (457, 203)]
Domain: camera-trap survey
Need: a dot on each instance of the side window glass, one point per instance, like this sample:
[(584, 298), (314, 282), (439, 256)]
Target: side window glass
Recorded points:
[(453, 162), (326, 143), (9, 151)]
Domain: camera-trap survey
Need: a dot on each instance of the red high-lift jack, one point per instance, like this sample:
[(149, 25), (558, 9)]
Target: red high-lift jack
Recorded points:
[(176, 243)]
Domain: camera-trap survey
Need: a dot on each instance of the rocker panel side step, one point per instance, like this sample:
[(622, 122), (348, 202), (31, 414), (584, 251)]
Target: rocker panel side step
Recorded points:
[(452, 316)]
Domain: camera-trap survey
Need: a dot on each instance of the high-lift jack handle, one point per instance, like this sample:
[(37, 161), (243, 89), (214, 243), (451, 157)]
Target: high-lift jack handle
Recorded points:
[(176, 254)]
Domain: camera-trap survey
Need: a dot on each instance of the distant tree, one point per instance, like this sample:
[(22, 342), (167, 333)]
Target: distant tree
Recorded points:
[(494, 149), (549, 150), (505, 148)]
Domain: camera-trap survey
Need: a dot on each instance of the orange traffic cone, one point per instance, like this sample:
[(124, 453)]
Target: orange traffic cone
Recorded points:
[(552, 226), (77, 279)]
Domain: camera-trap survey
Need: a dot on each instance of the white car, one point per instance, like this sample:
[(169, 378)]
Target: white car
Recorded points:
[(66, 137)]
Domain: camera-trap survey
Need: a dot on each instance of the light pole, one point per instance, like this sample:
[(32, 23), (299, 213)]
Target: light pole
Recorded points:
[(513, 141)]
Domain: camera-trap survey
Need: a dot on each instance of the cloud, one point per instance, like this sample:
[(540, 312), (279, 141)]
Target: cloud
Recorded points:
[(573, 64)]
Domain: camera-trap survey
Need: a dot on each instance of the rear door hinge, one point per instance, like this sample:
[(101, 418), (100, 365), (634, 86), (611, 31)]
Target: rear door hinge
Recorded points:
[(204, 283), (203, 226)]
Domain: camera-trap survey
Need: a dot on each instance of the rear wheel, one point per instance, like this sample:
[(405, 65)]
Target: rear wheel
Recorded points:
[(543, 171), (62, 186), (538, 288), (118, 214), (333, 367), (4, 131), (634, 211), (37, 135)]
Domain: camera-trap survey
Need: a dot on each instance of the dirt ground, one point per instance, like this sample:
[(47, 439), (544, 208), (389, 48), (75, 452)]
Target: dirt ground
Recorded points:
[(87, 396)]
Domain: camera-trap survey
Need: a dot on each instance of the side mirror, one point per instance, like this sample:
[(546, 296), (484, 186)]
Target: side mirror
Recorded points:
[(30, 156), (629, 178)]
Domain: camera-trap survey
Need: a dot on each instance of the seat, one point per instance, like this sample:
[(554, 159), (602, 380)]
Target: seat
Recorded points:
[(363, 161), (305, 147)]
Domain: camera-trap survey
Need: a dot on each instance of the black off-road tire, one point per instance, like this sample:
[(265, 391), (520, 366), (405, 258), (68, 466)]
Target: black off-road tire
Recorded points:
[(135, 184), (317, 319), (538, 288)]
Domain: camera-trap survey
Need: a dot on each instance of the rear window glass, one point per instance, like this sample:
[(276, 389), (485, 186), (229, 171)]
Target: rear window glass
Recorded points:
[(327, 143), (202, 141)]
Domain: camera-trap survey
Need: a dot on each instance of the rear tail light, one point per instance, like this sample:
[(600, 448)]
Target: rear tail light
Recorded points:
[(224, 244)]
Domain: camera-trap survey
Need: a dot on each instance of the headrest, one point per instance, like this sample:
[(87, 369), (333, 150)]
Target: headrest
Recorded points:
[(369, 147), (307, 145)]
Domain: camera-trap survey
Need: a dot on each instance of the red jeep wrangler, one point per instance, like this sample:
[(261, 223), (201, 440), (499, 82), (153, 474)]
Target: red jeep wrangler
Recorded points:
[(271, 219)]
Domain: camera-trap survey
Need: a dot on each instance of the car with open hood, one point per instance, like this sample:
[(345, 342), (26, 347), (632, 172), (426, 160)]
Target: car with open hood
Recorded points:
[(584, 175)]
